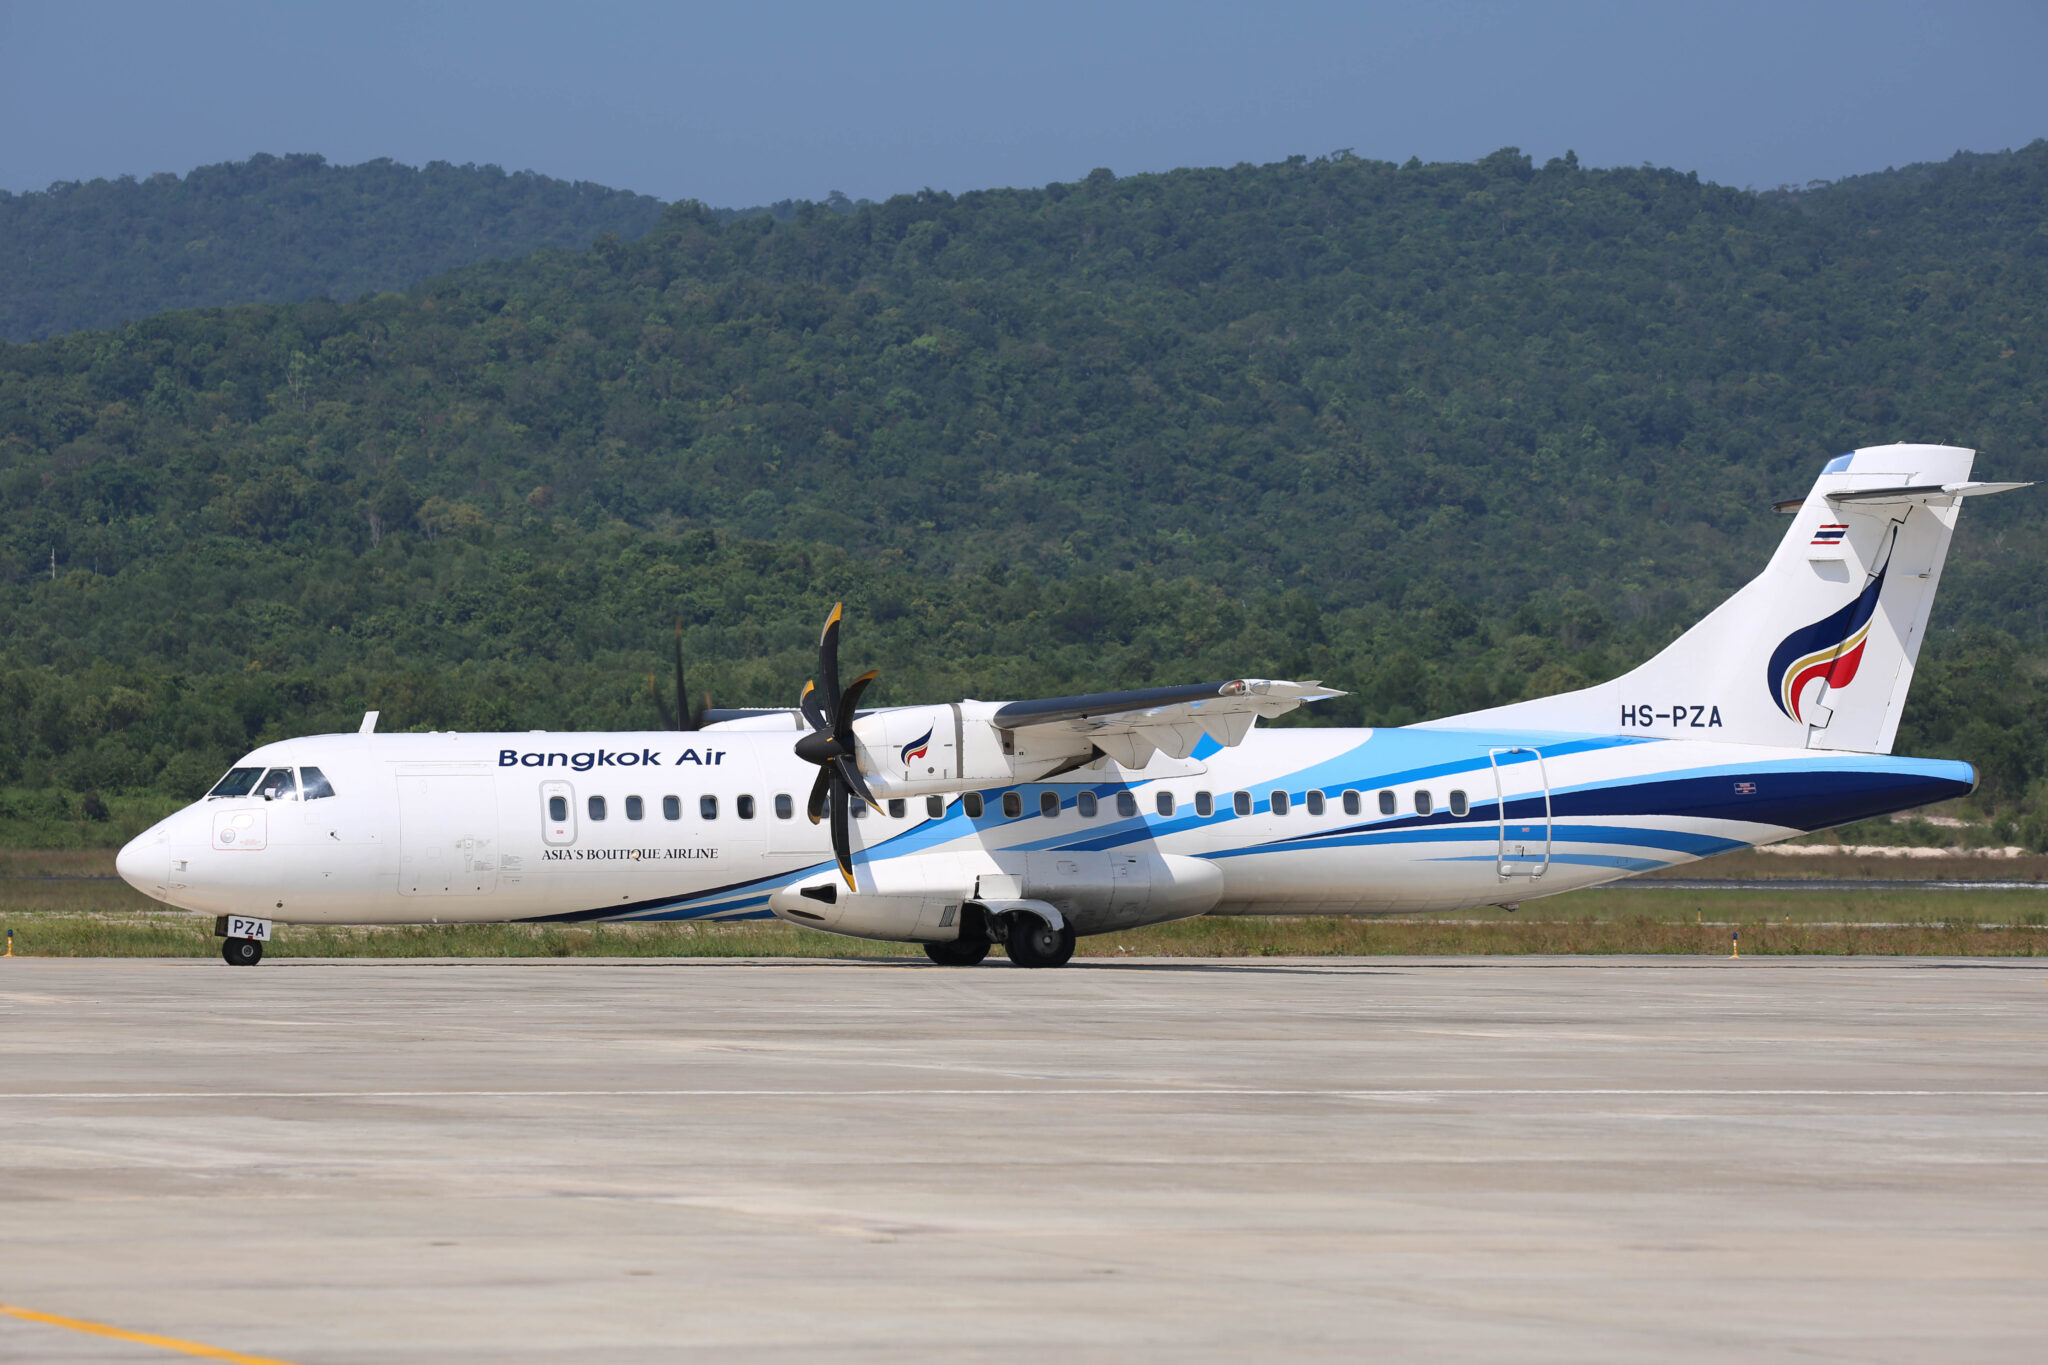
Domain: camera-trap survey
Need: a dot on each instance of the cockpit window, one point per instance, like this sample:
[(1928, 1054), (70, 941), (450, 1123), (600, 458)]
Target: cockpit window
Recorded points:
[(278, 785), (315, 784), (238, 782)]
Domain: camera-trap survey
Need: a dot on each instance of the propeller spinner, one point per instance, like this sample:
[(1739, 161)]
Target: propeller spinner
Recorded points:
[(830, 745)]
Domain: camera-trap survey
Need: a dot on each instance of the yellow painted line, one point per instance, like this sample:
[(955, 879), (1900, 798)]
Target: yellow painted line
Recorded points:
[(100, 1329)]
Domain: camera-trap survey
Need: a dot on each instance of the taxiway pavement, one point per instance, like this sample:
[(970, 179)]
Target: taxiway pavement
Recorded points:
[(1499, 1159)]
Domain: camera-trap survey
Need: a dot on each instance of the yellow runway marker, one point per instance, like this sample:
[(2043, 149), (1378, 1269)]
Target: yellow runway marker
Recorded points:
[(100, 1329)]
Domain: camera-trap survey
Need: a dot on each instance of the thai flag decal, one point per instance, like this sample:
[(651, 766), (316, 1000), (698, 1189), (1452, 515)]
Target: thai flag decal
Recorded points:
[(1830, 533), (1830, 649), (917, 748)]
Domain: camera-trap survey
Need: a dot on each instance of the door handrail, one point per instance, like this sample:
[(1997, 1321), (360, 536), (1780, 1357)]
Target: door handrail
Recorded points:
[(1500, 796)]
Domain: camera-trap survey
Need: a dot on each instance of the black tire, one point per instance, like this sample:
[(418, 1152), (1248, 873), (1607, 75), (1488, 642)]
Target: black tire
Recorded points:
[(241, 952), (1033, 943), (961, 952)]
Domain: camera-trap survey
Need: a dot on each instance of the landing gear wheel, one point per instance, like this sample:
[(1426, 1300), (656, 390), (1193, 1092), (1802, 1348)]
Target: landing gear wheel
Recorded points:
[(241, 952), (961, 952), (1031, 942)]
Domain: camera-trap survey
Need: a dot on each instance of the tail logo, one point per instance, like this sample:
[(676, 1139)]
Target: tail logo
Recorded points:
[(917, 748), (1830, 649)]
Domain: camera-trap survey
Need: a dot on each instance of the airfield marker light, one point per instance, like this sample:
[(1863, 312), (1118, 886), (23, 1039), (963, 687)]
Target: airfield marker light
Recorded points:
[(10, 943), (1735, 943)]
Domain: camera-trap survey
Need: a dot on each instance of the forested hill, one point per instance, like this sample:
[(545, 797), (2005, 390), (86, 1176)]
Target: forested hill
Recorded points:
[(1443, 435), (276, 230)]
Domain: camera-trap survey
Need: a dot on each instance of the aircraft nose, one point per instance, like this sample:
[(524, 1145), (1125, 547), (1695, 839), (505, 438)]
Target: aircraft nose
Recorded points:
[(145, 862)]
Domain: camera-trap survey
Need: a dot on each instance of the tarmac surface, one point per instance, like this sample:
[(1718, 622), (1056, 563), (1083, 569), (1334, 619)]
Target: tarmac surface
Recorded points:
[(1524, 1159)]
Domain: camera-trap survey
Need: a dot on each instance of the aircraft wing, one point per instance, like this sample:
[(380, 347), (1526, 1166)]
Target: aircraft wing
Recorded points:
[(1130, 726)]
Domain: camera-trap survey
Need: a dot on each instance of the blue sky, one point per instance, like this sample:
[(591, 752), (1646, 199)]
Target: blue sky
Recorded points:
[(742, 104)]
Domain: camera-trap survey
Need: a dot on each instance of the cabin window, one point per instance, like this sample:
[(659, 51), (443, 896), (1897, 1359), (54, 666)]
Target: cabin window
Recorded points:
[(278, 785), (707, 808), (1386, 803), (1049, 804), (238, 782), (558, 809), (856, 807), (315, 783), (1423, 805), (1164, 803), (971, 803), (1013, 804), (1205, 804), (743, 806), (1315, 803), (596, 807), (671, 807), (1241, 802), (1460, 807), (897, 808), (1085, 805), (634, 808), (1352, 805), (784, 807), (935, 807), (1126, 804), (1279, 803)]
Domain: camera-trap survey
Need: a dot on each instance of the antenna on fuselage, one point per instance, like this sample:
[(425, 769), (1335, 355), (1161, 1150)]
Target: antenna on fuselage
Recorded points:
[(369, 725)]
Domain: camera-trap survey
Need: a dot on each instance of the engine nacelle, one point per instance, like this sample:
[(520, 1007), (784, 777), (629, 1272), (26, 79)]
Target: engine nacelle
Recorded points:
[(921, 898), (921, 750)]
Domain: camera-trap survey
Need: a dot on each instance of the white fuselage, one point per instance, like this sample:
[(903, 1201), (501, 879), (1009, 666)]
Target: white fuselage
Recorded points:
[(660, 825)]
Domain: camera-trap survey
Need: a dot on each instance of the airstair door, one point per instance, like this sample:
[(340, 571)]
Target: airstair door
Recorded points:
[(1521, 788)]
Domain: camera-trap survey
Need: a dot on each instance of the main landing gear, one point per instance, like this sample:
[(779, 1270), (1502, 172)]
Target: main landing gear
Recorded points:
[(1031, 942), (241, 952)]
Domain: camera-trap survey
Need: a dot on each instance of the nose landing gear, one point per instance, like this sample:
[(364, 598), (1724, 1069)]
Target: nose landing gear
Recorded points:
[(241, 952)]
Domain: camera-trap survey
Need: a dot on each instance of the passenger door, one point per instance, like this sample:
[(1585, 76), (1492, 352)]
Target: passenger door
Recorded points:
[(1520, 779)]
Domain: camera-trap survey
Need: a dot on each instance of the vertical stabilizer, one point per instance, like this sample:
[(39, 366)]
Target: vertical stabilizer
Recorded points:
[(1817, 651)]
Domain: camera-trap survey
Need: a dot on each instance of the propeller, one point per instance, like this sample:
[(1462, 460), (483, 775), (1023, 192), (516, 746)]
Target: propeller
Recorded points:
[(681, 718), (830, 745)]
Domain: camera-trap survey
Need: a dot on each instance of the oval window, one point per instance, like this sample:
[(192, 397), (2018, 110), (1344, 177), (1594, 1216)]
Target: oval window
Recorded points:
[(1013, 804), (1279, 803), (635, 808), (558, 809), (1352, 805), (596, 804), (1084, 805), (971, 803), (671, 807), (1126, 804), (1459, 805)]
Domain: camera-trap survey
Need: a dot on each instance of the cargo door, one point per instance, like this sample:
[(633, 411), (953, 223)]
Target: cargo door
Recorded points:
[(448, 835)]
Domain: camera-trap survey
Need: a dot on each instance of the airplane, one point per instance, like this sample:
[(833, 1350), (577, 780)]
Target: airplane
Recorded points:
[(970, 824)]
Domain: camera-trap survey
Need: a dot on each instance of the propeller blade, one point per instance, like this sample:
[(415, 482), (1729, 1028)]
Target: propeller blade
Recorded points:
[(820, 790), (812, 704), (842, 840), (842, 724), (828, 657), (684, 720), (849, 777), (697, 721), (668, 722)]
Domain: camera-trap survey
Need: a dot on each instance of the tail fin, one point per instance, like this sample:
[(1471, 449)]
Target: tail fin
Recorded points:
[(1817, 651)]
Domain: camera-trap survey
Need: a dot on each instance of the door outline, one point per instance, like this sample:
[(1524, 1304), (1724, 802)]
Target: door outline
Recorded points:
[(553, 832), (1502, 865)]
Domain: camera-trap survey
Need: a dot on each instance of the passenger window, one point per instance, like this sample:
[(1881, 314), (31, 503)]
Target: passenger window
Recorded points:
[(238, 782), (1205, 804), (1459, 805), (596, 805), (743, 806), (935, 807), (1013, 804), (896, 808), (278, 785), (1315, 803), (315, 784), (784, 807), (1352, 805), (856, 807), (558, 809), (971, 803), (1241, 802), (1049, 804), (1386, 803), (634, 808), (707, 808), (1126, 804), (1165, 803), (1085, 805), (1279, 803), (1423, 805), (671, 807)]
